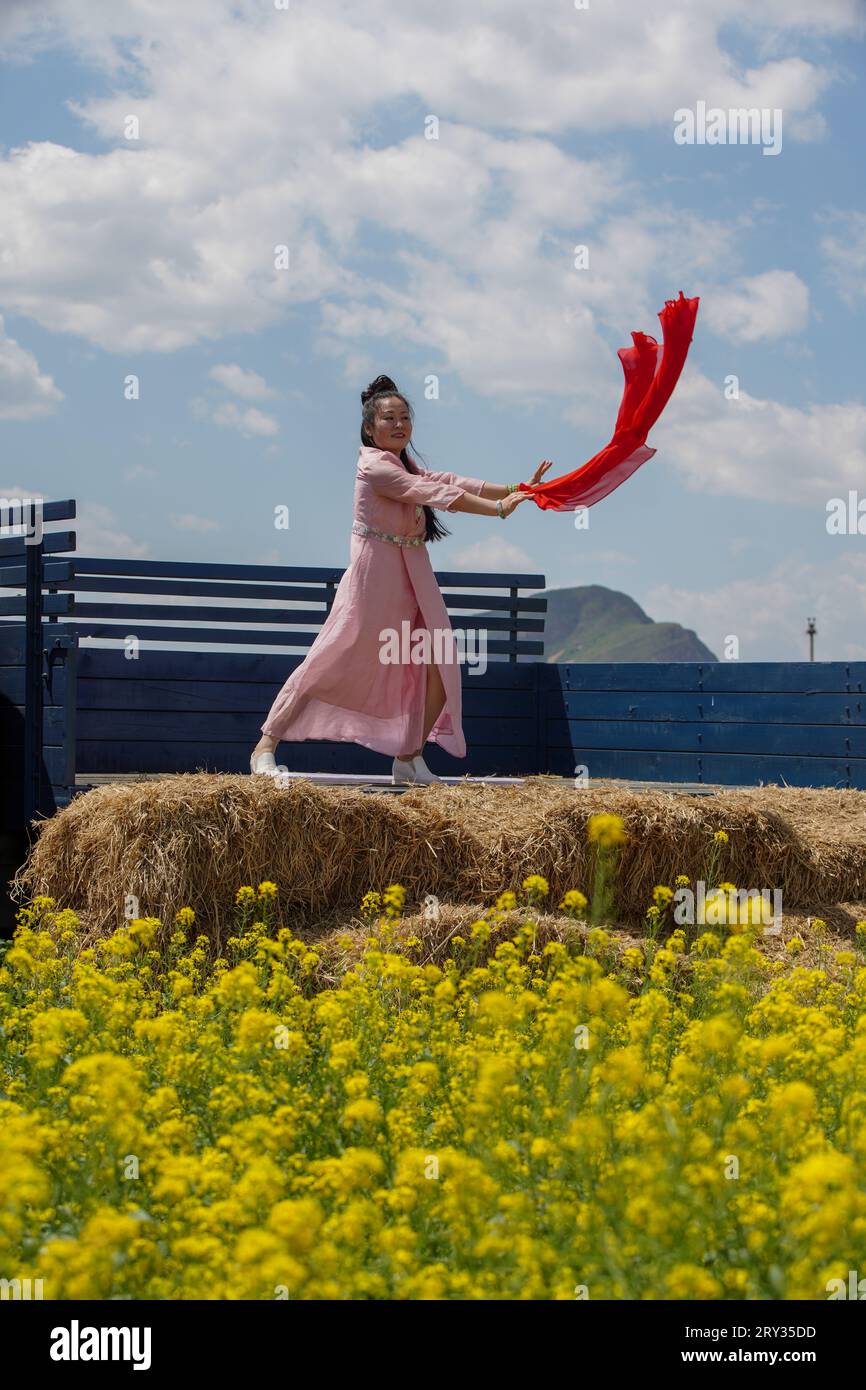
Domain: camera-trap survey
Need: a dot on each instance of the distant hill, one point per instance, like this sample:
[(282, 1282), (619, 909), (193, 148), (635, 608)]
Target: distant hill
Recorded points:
[(592, 623)]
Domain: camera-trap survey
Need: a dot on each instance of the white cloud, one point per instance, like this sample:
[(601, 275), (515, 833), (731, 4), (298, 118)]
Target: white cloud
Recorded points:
[(98, 532), (241, 382), (25, 392), (762, 449), (15, 15), (844, 253), (771, 305), (188, 521), (808, 129), (776, 16), (10, 525), (250, 421), (615, 559), (768, 613), (535, 328), (169, 241), (147, 253), (494, 554), (228, 416)]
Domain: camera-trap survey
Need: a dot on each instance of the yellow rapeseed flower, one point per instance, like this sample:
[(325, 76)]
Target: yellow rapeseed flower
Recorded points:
[(492, 1119), (607, 830), (574, 901)]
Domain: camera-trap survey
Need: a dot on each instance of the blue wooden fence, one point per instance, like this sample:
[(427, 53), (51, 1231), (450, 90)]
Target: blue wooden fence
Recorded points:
[(149, 702), (36, 673), (37, 694), (732, 723), (179, 711), (152, 703)]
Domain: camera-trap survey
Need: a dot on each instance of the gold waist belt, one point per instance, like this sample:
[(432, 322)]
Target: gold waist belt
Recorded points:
[(359, 529)]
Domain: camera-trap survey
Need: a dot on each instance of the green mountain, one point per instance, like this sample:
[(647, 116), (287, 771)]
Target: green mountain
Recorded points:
[(593, 623)]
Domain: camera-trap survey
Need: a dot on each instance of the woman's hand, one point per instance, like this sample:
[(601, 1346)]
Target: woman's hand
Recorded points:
[(540, 472), (513, 500)]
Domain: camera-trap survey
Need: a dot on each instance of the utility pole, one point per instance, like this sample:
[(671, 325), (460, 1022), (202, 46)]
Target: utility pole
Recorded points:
[(810, 633)]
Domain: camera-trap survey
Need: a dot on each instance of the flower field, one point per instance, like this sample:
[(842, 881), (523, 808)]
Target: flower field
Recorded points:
[(519, 1119)]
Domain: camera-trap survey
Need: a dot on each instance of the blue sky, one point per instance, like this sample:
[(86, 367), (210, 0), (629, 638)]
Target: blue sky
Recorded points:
[(454, 257)]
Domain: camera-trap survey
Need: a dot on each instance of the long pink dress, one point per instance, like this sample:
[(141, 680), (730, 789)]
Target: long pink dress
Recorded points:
[(344, 691)]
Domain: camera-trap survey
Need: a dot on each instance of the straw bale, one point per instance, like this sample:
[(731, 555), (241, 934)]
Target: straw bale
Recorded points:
[(193, 839)]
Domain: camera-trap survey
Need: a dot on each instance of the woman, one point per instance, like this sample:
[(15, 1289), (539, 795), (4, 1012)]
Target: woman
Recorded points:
[(349, 689)]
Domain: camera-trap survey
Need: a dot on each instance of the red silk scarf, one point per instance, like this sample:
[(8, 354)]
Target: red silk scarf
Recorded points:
[(651, 373)]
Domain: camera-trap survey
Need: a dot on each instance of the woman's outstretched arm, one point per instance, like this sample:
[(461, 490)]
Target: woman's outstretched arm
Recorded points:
[(486, 506), (499, 490)]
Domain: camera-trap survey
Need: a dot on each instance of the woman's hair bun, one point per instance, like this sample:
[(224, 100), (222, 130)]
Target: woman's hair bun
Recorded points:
[(377, 387)]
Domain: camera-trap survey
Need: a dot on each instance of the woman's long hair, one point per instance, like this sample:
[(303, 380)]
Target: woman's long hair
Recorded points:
[(384, 386)]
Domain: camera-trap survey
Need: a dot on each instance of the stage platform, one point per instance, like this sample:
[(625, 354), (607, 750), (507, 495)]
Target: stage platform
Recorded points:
[(381, 782)]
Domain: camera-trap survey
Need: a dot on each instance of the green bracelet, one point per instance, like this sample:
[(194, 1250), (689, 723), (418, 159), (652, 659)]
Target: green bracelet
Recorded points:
[(512, 487)]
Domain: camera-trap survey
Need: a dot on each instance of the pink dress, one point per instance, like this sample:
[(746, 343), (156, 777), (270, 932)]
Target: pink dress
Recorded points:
[(344, 691)]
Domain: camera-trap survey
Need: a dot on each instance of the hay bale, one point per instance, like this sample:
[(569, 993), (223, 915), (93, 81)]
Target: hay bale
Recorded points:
[(193, 839)]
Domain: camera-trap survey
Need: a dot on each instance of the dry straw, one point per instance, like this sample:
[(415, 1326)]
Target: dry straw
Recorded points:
[(193, 839)]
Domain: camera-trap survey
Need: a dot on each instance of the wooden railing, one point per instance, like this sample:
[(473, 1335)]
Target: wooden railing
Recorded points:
[(233, 604), (36, 754)]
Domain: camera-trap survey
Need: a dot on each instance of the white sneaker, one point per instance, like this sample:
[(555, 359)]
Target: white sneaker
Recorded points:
[(423, 773), (407, 771), (403, 771), (263, 762)]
